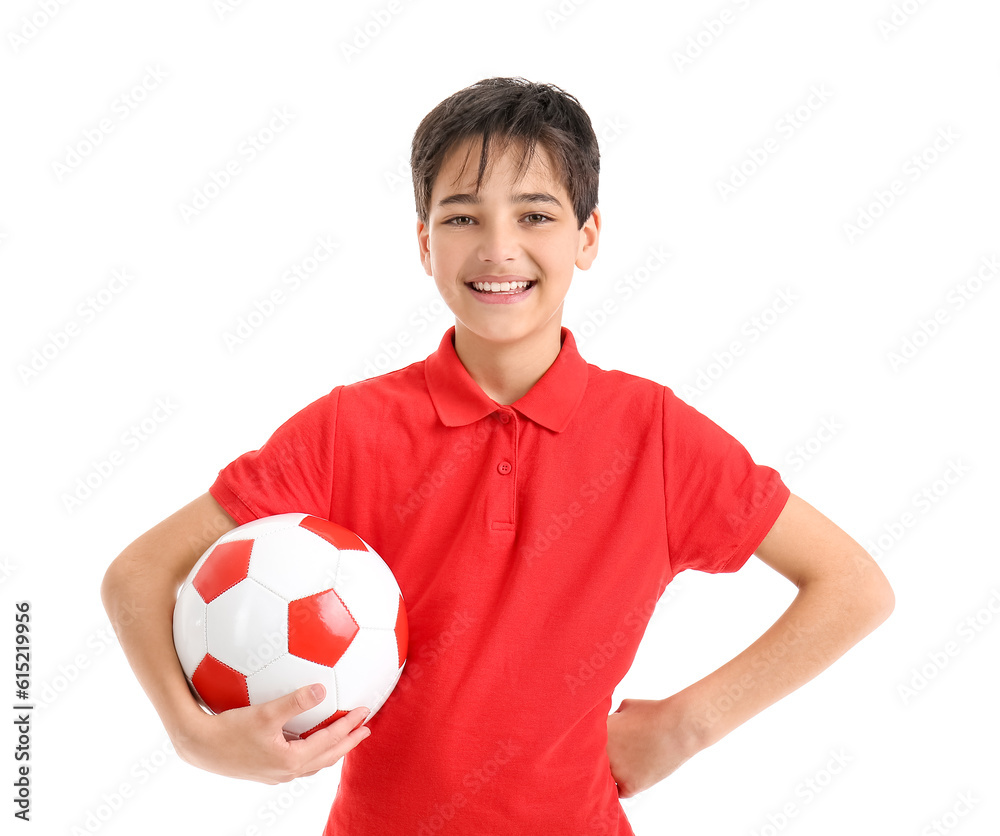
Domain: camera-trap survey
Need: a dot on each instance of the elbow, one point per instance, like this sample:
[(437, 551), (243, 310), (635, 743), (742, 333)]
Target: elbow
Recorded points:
[(859, 593), (109, 587), (875, 595), (117, 587), (885, 599)]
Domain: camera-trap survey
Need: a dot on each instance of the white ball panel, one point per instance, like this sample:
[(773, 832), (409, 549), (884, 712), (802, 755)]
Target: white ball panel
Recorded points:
[(367, 671), (366, 585), (286, 674), (378, 701), (189, 628), (264, 525), (295, 565), (248, 531), (247, 627)]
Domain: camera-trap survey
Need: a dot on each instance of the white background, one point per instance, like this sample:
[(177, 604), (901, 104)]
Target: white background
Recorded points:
[(671, 132)]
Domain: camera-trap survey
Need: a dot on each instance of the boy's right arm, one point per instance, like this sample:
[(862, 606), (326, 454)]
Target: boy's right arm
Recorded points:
[(138, 591)]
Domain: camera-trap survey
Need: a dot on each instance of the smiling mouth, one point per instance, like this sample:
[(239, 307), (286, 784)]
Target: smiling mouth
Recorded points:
[(501, 286)]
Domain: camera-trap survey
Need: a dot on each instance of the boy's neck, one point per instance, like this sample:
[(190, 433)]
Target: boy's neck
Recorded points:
[(507, 372)]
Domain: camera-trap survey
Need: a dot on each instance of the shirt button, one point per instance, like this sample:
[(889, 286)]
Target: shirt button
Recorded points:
[(504, 417), (503, 468)]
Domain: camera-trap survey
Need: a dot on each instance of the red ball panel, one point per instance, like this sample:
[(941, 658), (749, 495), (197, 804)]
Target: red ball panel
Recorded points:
[(331, 719), (339, 536), (402, 632), (220, 686), (320, 628), (226, 566)]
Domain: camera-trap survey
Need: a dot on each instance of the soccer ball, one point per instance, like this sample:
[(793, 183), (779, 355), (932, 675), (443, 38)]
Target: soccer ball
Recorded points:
[(286, 601)]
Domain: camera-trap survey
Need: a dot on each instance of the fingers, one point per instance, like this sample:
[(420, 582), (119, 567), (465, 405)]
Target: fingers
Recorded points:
[(339, 730), (289, 758), (304, 698), (282, 709), (326, 746), (307, 697)]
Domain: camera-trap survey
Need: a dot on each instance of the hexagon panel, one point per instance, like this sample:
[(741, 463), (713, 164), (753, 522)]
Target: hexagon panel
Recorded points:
[(365, 581), (190, 641), (295, 564), (367, 672), (287, 674), (267, 525), (247, 627)]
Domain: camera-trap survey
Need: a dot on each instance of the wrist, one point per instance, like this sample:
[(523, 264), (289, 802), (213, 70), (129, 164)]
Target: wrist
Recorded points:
[(185, 725), (685, 727)]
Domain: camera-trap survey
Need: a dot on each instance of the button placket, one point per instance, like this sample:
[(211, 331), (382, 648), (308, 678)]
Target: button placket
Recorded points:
[(504, 488)]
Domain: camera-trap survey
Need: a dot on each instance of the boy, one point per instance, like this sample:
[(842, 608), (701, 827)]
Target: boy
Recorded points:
[(532, 507)]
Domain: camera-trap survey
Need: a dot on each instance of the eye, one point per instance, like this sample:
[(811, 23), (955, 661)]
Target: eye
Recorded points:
[(455, 221), (537, 218)]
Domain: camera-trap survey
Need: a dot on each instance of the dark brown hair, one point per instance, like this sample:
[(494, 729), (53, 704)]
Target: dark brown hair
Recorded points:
[(502, 111)]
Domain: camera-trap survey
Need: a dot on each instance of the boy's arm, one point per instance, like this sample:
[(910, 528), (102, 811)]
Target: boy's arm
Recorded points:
[(139, 590), (842, 597)]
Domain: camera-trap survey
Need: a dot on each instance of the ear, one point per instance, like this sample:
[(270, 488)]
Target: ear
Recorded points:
[(589, 236), (424, 244)]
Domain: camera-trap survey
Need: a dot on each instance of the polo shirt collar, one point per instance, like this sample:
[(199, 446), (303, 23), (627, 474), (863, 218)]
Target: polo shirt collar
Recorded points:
[(551, 402)]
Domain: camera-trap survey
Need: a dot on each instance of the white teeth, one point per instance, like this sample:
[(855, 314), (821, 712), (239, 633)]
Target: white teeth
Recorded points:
[(496, 287)]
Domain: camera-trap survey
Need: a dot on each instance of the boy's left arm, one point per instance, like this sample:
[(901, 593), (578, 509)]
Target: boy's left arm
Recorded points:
[(842, 597)]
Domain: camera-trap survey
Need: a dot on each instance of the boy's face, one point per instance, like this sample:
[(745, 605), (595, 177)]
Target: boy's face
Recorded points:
[(509, 231)]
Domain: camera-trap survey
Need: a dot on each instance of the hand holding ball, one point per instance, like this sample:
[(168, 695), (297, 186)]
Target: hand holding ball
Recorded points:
[(287, 601)]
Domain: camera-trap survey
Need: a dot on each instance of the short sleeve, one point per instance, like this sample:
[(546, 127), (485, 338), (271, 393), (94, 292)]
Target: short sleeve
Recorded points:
[(291, 473), (720, 504)]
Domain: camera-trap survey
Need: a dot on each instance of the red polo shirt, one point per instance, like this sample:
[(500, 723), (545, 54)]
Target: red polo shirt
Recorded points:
[(531, 543)]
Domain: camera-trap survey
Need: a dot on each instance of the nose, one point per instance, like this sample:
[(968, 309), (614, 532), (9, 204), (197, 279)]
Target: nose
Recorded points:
[(498, 244)]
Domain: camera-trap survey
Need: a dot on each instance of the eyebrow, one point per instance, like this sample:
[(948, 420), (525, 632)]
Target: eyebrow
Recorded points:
[(524, 197)]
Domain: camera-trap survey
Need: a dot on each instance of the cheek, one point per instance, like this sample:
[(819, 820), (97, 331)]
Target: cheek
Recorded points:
[(441, 250), (449, 291), (562, 253)]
